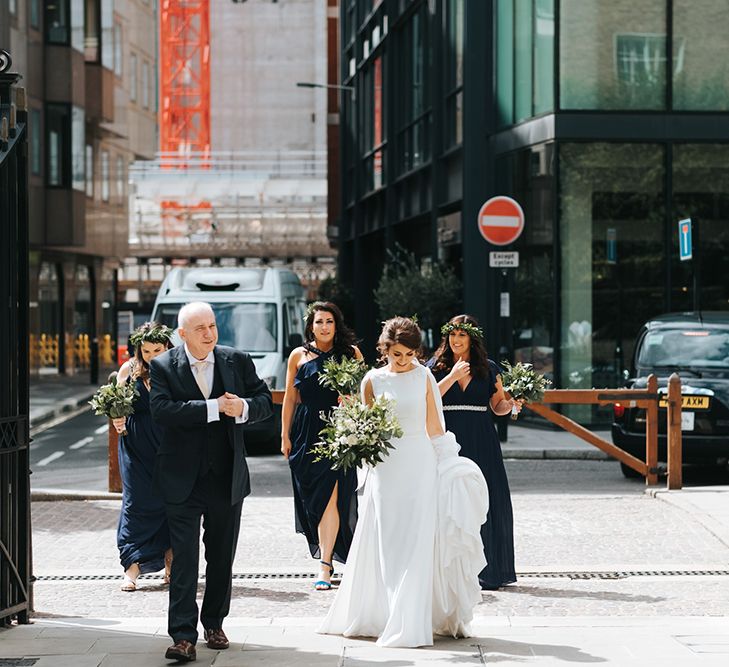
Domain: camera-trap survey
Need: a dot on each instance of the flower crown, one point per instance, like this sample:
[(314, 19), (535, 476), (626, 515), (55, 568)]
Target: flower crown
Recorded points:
[(309, 310), (157, 333), (471, 329)]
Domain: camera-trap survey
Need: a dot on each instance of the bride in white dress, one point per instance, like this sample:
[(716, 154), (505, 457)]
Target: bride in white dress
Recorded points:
[(413, 566)]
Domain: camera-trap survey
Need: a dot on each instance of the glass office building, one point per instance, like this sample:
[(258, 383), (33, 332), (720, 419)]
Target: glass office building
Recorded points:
[(607, 121)]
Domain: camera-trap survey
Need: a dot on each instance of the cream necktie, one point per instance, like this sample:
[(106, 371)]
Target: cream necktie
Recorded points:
[(202, 382)]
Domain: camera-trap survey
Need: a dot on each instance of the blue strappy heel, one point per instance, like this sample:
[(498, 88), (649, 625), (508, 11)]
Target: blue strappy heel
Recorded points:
[(322, 585)]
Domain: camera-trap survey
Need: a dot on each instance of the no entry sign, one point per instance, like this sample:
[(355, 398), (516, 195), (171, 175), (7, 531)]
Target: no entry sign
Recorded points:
[(501, 220)]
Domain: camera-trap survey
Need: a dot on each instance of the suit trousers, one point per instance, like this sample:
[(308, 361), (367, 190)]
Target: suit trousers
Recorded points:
[(209, 500)]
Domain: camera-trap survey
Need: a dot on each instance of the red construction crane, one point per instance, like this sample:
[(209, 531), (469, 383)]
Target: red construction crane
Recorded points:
[(184, 80)]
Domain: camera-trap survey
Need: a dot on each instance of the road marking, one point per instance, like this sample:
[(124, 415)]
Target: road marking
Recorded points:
[(49, 459), (102, 429), (81, 443)]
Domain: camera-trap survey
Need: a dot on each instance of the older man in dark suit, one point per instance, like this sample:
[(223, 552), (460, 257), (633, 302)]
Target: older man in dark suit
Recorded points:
[(202, 394)]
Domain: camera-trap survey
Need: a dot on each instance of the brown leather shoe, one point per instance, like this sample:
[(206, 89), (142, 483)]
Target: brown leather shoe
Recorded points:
[(182, 651), (216, 639)]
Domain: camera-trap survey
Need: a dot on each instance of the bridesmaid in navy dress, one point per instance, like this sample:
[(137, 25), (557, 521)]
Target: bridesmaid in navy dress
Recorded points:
[(325, 500), (142, 534), (470, 385)]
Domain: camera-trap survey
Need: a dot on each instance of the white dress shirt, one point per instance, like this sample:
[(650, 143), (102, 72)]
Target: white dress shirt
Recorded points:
[(212, 403)]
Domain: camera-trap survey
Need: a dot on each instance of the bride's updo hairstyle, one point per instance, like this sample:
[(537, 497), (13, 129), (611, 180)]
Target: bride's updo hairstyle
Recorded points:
[(399, 331), (478, 358)]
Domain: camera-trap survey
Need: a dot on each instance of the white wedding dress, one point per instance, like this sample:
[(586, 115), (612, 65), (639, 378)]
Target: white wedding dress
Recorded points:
[(412, 569)]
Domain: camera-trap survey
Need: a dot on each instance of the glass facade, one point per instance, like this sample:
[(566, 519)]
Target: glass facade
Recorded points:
[(613, 54), (701, 192), (528, 177), (415, 121), (700, 73), (524, 42), (453, 59), (612, 224)]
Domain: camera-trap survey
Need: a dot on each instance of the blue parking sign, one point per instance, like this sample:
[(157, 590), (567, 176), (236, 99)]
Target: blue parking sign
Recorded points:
[(685, 247)]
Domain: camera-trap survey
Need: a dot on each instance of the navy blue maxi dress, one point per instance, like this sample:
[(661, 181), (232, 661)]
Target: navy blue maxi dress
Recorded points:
[(468, 416), (142, 534), (313, 483)]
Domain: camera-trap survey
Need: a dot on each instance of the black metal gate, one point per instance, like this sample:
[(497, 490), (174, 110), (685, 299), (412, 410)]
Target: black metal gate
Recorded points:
[(15, 565)]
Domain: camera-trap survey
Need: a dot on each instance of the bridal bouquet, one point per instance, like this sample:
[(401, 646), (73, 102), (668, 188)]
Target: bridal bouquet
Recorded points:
[(521, 381), (114, 400), (357, 434), (343, 375)]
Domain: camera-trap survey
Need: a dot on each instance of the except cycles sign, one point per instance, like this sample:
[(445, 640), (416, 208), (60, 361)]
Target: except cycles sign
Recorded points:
[(501, 220)]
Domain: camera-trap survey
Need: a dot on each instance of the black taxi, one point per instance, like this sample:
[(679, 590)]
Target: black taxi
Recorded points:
[(696, 346)]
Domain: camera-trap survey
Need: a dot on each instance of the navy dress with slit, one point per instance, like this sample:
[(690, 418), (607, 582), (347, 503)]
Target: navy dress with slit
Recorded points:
[(468, 416), (313, 482), (142, 534)]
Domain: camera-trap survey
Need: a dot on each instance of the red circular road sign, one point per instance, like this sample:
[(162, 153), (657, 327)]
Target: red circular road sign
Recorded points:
[(501, 220)]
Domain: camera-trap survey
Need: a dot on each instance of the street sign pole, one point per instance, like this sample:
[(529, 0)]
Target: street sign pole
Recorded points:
[(696, 266)]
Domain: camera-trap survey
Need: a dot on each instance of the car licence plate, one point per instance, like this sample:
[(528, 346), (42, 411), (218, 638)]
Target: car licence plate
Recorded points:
[(690, 402)]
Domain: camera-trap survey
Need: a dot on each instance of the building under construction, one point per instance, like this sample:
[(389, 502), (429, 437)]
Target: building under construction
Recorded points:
[(240, 177)]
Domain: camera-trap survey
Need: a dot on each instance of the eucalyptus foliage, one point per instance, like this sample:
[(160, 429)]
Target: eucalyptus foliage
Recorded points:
[(523, 382), (114, 400), (357, 434), (343, 375)]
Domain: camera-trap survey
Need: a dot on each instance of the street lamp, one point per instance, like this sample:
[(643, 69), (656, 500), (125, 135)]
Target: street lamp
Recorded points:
[(330, 86)]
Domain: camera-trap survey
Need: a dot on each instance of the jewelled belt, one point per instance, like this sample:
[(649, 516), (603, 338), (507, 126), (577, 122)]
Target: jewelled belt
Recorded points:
[(469, 408)]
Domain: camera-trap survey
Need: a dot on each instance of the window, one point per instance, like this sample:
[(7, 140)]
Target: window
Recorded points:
[(700, 65), (13, 7), (120, 179), (65, 23), (454, 73), (35, 14), (700, 182), (145, 84), (92, 27), (105, 176), (35, 142), (89, 171), (78, 149), (375, 127), (611, 196), (613, 56), (543, 56), (107, 34), (58, 144), (118, 50), (524, 59), (133, 77), (414, 135)]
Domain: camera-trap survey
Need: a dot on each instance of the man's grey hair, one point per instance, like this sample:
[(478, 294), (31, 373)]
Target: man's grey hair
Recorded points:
[(189, 310)]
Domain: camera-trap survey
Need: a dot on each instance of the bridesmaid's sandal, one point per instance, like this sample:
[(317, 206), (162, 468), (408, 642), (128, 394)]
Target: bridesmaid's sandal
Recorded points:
[(129, 585), (322, 585)]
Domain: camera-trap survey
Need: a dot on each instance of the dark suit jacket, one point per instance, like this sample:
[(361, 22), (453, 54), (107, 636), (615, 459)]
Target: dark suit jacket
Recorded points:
[(178, 407)]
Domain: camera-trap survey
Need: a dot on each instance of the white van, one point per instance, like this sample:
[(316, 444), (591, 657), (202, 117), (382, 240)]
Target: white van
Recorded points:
[(257, 310)]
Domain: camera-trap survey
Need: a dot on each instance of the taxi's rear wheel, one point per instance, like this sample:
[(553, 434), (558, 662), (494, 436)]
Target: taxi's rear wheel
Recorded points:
[(629, 473)]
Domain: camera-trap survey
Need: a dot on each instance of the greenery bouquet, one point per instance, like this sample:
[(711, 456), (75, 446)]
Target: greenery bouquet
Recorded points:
[(343, 375), (114, 400), (522, 382), (357, 434)]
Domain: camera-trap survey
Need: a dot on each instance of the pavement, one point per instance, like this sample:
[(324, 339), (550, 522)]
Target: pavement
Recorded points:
[(607, 573), (54, 398)]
